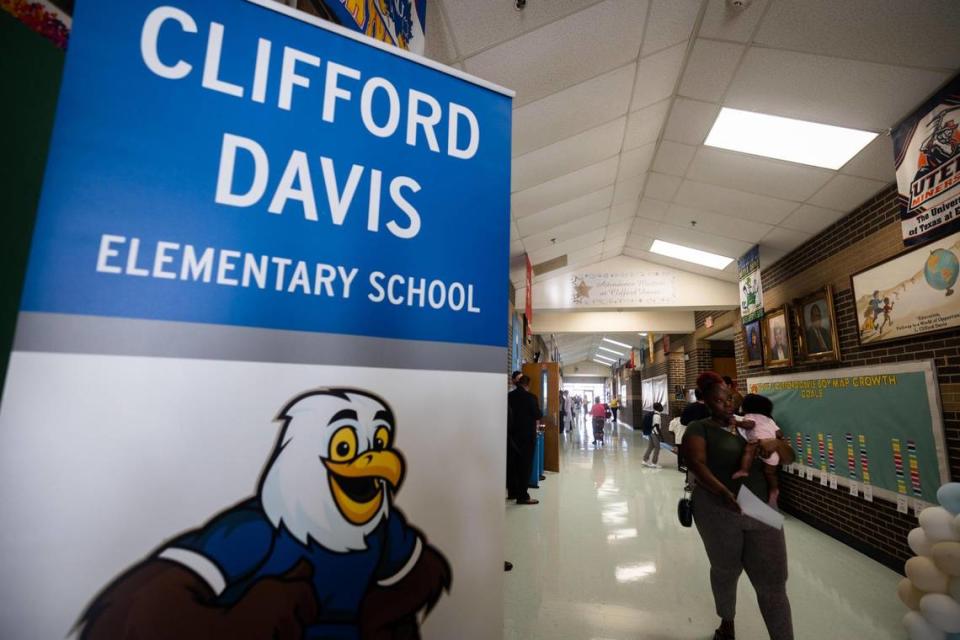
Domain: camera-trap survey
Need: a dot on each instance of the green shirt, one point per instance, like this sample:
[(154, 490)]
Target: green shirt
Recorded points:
[(724, 453)]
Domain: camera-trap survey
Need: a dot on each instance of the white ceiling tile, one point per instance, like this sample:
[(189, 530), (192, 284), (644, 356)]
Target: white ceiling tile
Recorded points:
[(477, 25), (810, 219), (769, 256), (628, 190), (559, 190), (619, 230), (885, 31), (785, 239), (651, 209), (657, 76), (586, 255), (723, 22), (710, 69), (565, 232), (720, 245), (673, 158), (758, 175), (563, 53), (751, 206), (561, 248), (611, 253), (849, 93), (516, 248), (660, 186), (670, 22), (846, 192), (565, 212), (570, 111), (639, 241), (438, 44), (690, 121), (623, 211), (679, 264), (716, 223), (566, 156), (644, 125), (875, 161), (636, 162), (514, 231)]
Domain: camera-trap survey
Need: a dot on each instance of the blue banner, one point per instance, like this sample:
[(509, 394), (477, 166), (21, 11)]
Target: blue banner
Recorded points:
[(222, 163)]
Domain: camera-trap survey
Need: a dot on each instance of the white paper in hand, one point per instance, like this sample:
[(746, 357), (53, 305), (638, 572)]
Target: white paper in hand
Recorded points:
[(757, 509)]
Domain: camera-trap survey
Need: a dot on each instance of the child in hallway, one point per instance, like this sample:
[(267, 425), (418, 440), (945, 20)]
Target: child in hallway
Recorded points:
[(759, 409)]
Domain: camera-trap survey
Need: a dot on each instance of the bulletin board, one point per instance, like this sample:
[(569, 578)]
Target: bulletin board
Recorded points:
[(879, 426)]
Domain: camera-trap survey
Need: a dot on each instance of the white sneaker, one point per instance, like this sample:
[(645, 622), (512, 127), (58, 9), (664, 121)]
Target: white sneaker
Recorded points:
[(646, 464), (655, 466)]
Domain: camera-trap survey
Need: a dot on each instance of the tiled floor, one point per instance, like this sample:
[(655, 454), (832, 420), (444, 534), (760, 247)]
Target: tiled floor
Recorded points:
[(603, 557)]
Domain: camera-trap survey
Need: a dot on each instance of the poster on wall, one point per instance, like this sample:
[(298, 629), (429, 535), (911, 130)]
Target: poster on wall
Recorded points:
[(245, 306), (926, 148), (751, 291), (622, 288), (655, 390), (910, 294), (865, 425)]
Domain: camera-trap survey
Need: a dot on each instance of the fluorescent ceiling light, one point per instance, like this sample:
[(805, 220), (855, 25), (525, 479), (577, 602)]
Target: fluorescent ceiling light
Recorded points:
[(603, 357), (820, 145), (643, 333), (619, 344), (602, 362), (612, 351), (680, 252)]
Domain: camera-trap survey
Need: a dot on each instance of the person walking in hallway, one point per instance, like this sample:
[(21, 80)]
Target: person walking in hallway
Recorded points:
[(735, 543), (614, 408), (599, 413), (526, 412), (653, 432)]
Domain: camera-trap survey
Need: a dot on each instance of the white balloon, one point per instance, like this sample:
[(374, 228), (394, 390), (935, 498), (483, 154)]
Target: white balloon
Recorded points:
[(909, 594), (941, 611), (918, 542), (920, 629), (925, 575), (937, 524), (954, 589)]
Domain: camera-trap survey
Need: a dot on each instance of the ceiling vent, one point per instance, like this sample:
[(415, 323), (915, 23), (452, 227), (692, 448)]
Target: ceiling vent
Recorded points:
[(550, 265)]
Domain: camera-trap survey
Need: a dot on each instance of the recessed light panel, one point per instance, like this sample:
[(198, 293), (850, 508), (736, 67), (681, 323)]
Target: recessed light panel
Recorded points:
[(619, 344), (603, 357), (680, 252), (812, 143), (612, 351), (602, 362)]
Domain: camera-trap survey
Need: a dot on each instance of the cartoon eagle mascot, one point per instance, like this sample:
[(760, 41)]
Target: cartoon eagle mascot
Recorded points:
[(320, 552)]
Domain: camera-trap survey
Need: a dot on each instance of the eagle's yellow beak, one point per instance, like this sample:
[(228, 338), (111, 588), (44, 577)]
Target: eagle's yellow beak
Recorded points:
[(357, 484)]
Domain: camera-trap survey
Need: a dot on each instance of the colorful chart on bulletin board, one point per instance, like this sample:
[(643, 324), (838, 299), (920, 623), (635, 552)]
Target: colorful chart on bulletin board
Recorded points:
[(879, 426)]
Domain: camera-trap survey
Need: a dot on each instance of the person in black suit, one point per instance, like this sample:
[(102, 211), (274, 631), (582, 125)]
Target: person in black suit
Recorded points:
[(522, 434), (818, 335)]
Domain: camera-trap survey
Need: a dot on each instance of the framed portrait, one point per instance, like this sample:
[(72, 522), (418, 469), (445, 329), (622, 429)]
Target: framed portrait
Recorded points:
[(777, 351), (817, 326), (911, 294), (753, 343)]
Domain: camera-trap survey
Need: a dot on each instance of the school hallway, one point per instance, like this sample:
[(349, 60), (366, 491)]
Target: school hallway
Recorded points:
[(603, 557)]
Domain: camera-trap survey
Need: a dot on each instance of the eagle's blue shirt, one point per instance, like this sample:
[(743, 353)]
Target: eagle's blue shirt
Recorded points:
[(246, 547)]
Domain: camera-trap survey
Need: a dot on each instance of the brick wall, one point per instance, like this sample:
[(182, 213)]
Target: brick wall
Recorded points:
[(867, 236)]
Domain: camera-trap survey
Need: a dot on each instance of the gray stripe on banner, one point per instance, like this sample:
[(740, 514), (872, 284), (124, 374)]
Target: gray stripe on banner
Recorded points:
[(65, 333)]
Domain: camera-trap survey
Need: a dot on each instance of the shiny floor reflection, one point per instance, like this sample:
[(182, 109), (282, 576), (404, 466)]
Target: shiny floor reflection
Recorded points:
[(603, 557)]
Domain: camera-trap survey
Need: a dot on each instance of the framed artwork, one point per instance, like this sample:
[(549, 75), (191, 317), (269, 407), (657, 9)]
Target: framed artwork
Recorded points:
[(753, 342), (817, 325), (776, 331), (910, 294)]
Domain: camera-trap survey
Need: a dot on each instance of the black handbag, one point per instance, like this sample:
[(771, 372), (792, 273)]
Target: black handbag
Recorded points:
[(685, 509)]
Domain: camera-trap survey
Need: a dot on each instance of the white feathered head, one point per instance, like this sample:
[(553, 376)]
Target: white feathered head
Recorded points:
[(330, 477)]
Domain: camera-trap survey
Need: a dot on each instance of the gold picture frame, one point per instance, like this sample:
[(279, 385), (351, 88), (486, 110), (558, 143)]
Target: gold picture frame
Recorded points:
[(777, 347), (816, 321)]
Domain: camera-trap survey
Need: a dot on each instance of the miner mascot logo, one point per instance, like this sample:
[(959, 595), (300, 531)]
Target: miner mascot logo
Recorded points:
[(319, 552)]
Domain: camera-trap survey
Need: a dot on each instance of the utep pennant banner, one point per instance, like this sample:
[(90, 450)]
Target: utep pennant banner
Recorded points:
[(927, 150), (268, 270)]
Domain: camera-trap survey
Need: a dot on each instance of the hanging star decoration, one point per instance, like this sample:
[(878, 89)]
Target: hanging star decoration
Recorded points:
[(581, 290)]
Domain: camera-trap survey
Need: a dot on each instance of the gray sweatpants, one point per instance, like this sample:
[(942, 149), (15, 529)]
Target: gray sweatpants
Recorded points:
[(735, 543), (653, 447)]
